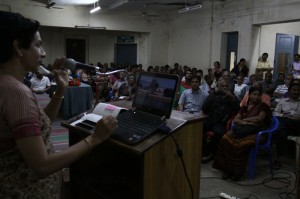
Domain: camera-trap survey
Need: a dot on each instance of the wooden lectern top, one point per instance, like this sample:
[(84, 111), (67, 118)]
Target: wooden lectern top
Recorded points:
[(177, 120)]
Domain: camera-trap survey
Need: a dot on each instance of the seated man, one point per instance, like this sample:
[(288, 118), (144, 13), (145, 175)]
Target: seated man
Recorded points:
[(220, 106), (240, 88), (121, 82), (282, 90), (191, 100), (288, 113), (183, 85), (41, 84), (268, 85)]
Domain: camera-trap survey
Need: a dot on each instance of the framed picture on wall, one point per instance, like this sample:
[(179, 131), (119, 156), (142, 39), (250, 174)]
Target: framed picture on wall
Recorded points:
[(76, 49)]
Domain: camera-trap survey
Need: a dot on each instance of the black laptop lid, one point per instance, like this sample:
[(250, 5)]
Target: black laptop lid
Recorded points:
[(155, 93)]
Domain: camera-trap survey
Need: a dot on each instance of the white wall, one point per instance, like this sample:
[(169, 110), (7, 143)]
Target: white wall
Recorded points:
[(248, 17), (194, 38), (100, 44)]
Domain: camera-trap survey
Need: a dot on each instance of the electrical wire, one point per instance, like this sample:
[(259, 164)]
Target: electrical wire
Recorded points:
[(288, 194), (180, 155), (281, 177)]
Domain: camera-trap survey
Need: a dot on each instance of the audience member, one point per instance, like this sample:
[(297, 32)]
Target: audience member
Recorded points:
[(295, 67), (263, 66), (208, 77), (241, 68), (203, 84), (264, 97), (84, 76), (232, 154), (130, 89), (282, 90), (219, 107), (183, 85), (252, 79), (120, 83), (227, 77), (217, 76), (279, 80), (216, 68), (40, 84), (29, 167), (240, 88), (288, 113), (191, 100), (268, 85)]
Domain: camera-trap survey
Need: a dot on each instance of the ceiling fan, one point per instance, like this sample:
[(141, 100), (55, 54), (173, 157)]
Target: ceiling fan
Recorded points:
[(49, 4)]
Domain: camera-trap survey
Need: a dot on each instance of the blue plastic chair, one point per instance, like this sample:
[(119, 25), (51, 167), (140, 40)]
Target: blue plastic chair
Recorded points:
[(266, 146)]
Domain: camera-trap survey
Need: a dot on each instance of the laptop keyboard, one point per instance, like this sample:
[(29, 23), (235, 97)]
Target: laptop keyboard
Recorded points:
[(138, 124)]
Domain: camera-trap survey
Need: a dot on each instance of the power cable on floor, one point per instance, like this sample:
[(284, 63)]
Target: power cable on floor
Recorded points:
[(283, 178)]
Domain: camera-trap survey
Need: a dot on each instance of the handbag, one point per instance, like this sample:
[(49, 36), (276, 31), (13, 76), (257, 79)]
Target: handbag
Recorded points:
[(239, 131)]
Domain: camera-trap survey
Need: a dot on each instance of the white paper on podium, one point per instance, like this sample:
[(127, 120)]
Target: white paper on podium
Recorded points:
[(99, 111)]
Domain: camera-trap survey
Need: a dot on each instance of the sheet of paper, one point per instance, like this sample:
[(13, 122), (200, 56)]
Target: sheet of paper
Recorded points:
[(99, 111), (91, 117), (106, 109)]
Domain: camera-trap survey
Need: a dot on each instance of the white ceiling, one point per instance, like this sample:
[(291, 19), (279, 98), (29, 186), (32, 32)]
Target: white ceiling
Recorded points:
[(126, 5)]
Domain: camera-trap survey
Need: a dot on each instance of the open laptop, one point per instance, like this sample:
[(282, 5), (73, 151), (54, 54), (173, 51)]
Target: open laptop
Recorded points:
[(151, 106)]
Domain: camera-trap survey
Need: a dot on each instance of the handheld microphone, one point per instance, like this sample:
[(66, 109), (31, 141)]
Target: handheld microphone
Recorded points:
[(73, 65), (70, 64)]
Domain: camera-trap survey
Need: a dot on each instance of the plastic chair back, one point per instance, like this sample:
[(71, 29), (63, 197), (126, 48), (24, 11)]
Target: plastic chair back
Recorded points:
[(267, 145)]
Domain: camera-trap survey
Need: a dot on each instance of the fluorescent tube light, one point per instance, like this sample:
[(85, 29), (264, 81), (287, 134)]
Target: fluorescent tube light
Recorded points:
[(91, 27), (95, 9), (190, 8)]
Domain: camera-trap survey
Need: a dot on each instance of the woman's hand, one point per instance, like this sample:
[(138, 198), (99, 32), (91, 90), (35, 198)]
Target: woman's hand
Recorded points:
[(104, 129), (60, 75)]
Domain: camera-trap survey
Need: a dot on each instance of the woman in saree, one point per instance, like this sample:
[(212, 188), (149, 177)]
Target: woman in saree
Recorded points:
[(235, 145)]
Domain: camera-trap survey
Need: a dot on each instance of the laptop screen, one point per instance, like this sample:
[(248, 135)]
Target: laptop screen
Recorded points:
[(155, 93)]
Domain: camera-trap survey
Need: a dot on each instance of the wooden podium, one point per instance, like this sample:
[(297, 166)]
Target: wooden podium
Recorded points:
[(148, 170)]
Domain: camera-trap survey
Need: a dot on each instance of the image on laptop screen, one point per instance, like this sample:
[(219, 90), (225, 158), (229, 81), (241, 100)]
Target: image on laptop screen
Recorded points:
[(155, 93)]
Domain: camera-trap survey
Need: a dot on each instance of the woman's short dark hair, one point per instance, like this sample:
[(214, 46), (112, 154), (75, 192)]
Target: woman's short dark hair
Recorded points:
[(255, 88), (14, 26)]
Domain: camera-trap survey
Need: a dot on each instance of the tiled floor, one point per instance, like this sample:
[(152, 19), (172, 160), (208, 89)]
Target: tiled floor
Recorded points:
[(282, 185)]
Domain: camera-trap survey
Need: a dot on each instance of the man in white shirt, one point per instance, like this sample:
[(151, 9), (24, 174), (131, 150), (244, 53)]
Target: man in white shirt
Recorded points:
[(263, 66), (40, 84)]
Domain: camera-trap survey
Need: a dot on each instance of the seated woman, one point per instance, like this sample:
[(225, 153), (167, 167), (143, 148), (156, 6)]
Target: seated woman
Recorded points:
[(264, 97), (127, 90), (232, 154)]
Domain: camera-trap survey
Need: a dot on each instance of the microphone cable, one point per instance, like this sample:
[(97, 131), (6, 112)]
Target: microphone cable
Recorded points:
[(180, 155)]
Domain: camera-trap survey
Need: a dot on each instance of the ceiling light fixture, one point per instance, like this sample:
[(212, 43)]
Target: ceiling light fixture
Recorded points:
[(190, 8), (96, 7), (91, 27)]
